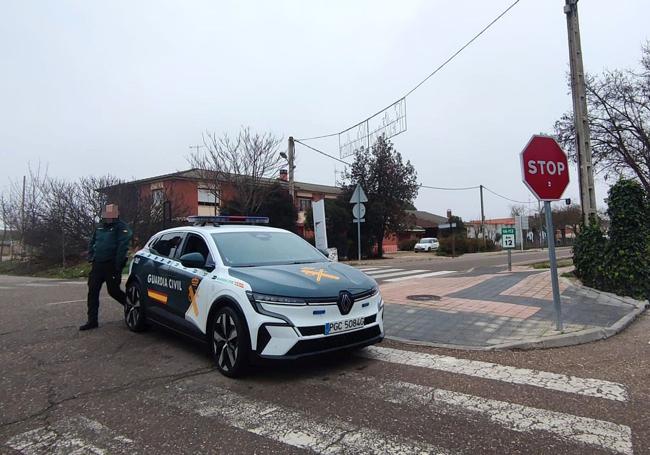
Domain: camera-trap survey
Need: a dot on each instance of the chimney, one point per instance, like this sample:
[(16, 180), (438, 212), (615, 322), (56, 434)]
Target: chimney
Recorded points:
[(284, 175)]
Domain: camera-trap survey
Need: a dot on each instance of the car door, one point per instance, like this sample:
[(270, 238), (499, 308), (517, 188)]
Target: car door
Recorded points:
[(163, 252), (186, 280)]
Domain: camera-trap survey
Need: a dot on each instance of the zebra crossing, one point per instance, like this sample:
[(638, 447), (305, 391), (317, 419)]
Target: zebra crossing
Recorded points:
[(390, 274), (279, 416)]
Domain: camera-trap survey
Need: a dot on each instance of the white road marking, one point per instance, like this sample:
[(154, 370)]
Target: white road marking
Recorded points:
[(368, 269), (65, 301), (38, 285), (289, 426), (71, 436), (516, 417), (6, 287), (375, 272), (405, 272), (553, 381), (423, 275)]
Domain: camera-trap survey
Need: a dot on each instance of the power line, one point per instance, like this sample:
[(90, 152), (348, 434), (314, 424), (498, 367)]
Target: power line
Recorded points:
[(449, 189), (467, 44), (507, 198), (322, 153), (316, 137), (441, 66), (463, 188)]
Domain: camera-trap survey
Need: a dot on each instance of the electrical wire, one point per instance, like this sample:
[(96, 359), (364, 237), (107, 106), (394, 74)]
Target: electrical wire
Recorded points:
[(507, 198), (440, 67), (322, 153), (450, 189), (317, 137), (467, 44), (464, 188)]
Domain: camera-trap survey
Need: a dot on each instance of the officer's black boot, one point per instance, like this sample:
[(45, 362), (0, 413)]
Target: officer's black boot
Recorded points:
[(89, 325)]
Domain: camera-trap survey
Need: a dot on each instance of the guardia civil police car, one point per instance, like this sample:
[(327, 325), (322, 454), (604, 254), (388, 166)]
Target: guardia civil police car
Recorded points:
[(250, 291)]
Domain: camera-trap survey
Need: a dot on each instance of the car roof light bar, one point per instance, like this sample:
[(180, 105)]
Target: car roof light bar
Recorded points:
[(225, 219)]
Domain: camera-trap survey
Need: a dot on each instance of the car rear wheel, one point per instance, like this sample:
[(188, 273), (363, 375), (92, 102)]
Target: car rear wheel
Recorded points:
[(230, 344), (133, 309)]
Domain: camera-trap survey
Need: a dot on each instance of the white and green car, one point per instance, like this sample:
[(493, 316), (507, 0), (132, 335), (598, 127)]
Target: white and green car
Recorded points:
[(250, 291)]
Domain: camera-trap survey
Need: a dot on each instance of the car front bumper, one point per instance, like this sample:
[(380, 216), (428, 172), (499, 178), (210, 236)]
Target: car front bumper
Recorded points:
[(295, 335)]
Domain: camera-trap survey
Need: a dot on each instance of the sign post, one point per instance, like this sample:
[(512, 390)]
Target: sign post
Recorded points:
[(358, 211), (509, 242), (320, 231), (545, 171)]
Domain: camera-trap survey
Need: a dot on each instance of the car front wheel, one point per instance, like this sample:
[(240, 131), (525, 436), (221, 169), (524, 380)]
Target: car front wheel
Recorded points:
[(133, 309), (230, 345)]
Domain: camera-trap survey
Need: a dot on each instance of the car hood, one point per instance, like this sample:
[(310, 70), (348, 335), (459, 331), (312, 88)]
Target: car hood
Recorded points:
[(315, 280)]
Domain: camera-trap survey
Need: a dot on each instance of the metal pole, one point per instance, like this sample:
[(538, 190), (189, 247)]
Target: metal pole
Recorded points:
[(539, 218), (290, 158), (521, 233), (4, 237), (550, 235), (483, 218), (359, 223), (509, 260), (578, 92), (22, 221)]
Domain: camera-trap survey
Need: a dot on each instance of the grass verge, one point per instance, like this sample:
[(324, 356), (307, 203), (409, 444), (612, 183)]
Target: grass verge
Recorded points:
[(547, 265)]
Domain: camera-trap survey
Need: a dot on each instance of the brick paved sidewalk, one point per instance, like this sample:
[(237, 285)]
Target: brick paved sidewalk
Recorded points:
[(489, 310)]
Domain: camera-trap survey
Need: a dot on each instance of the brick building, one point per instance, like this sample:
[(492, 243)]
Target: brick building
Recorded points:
[(190, 194)]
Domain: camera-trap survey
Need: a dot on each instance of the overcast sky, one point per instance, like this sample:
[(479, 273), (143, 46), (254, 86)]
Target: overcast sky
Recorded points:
[(125, 87)]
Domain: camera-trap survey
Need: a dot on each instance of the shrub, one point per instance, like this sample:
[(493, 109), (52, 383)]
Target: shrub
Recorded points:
[(588, 252), (406, 244), (627, 261)]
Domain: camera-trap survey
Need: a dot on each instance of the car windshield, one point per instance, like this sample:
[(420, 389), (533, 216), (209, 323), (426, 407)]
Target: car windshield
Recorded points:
[(248, 249), (426, 241)]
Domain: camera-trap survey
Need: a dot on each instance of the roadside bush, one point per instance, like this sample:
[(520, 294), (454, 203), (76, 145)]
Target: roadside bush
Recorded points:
[(627, 256), (588, 253), (407, 245), (445, 248), (464, 245)]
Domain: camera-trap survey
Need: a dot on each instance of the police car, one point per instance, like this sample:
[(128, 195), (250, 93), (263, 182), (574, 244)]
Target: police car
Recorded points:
[(250, 291)]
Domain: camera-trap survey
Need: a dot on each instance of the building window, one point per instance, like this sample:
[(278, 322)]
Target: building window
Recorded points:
[(304, 204), (157, 197), (207, 197)]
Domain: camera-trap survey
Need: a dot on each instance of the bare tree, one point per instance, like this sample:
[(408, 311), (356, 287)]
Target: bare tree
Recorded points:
[(244, 164), (619, 119)]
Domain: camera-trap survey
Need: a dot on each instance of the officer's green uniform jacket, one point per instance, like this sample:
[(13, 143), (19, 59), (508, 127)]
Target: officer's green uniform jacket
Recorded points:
[(110, 242)]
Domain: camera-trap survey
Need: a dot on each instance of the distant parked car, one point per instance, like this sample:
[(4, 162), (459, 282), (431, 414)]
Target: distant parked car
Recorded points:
[(427, 244)]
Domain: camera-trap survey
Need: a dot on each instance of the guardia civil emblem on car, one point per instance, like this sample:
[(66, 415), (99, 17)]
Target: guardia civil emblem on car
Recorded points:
[(249, 291)]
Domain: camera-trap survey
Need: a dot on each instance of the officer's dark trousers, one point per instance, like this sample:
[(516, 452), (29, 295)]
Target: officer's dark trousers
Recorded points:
[(103, 272)]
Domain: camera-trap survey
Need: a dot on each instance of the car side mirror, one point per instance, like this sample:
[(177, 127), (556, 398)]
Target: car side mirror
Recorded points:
[(193, 260)]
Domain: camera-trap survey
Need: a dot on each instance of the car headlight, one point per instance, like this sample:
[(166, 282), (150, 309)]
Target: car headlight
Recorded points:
[(256, 297)]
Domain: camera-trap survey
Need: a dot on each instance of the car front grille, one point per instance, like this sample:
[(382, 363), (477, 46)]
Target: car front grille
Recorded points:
[(334, 342)]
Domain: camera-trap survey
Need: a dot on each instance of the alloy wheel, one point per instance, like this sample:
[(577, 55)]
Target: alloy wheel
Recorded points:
[(225, 343), (132, 308)]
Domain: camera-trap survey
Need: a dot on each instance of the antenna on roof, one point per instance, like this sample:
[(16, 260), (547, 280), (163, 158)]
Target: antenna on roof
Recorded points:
[(224, 219)]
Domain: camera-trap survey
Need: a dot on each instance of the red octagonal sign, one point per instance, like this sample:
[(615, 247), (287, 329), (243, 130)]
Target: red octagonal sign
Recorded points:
[(545, 168)]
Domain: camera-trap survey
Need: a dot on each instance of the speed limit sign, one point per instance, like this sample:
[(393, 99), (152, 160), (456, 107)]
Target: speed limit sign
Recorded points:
[(508, 238)]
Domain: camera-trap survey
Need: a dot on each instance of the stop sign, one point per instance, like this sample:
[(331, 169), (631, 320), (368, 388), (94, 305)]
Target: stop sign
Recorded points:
[(545, 168)]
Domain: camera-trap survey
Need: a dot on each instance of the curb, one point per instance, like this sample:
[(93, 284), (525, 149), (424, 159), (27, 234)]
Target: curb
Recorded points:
[(556, 341), (574, 338)]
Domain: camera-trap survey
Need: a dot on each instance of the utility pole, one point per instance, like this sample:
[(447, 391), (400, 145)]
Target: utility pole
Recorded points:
[(579, 95), (483, 219), (290, 158), (22, 220)]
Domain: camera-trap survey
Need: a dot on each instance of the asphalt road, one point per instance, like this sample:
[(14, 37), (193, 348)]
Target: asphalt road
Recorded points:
[(113, 391), (407, 266)]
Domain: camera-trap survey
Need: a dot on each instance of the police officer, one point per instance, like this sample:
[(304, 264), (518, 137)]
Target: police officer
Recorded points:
[(108, 253)]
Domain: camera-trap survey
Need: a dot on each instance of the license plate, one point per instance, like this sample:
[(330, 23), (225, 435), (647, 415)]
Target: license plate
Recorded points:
[(343, 326)]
